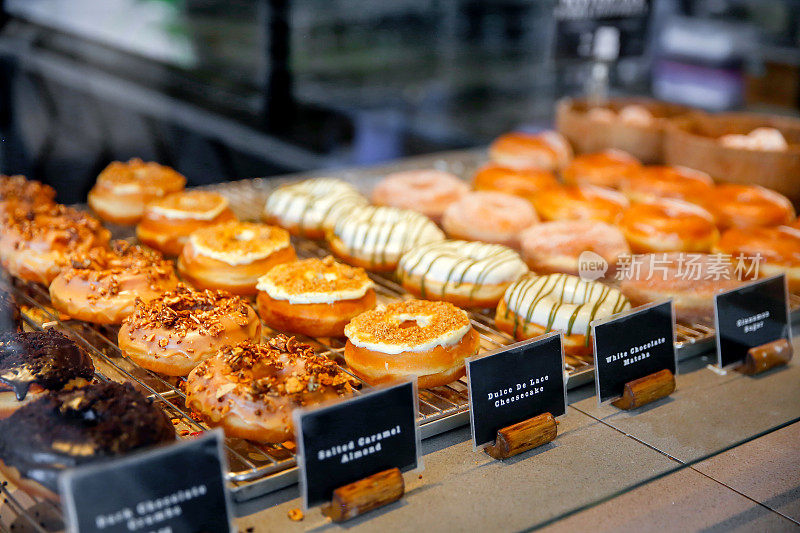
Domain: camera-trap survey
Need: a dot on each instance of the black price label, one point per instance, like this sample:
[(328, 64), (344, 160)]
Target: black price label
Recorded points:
[(172, 489), (632, 346), (513, 384), (350, 440), (750, 316)]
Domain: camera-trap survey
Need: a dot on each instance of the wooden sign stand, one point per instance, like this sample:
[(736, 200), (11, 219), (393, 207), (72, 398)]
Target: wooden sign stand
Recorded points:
[(645, 390), (359, 497), (523, 436), (761, 358)]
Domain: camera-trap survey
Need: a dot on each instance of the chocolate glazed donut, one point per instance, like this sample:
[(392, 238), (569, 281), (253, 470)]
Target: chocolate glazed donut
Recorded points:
[(38, 361), (74, 427)]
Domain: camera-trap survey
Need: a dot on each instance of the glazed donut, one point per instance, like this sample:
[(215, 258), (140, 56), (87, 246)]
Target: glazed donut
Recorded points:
[(691, 280), (35, 243), (668, 226), (233, 256), (251, 390), (548, 150), (375, 237), (427, 191), (76, 427), (765, 139), (10, 317), (535, 305), (425, 339), (102, 285), (747, 206), (777, 251), (18, 192), (557, 246), (489, 216), (467, 274), (580, 202), (172, 334), (523, 182), (35, 362), (311, 207), (314, 297), (653, 182), (124, 189), (167, 222), (608, 168)]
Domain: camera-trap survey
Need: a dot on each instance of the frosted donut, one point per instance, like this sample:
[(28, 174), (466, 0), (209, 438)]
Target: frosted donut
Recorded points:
[(557, 246), (16, 191), (691, 280), (426, 191), (777, 250), (765, 139), (489, 216), (580, 202), (168, 221), (376, 237), (311, 207), (173, 333), (233, 256), (535, 305), (102, 285), (523, 182), (746, 206), (429, 340), (251, 390), (653, 182), (36, 243), (548, 150), (315, 297), (609, 168), (467, 274), (668, 226), (124, 189)]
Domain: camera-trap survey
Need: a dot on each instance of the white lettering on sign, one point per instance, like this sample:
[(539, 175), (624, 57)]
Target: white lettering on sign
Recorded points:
[(636, 353), (518, 391), (148, 513), (358, 448), (752, 323)]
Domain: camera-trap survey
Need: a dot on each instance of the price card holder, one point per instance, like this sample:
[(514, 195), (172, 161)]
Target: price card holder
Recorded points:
[(176, 488), (635, 356), (753, 328), (351, 453), (515, 393)]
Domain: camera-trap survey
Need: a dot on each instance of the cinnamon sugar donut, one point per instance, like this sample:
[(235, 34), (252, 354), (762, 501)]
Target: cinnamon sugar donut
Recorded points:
[(311, 207), (173, 333), (580, 202), (535, 305), (315, 297), (168, 221), (557, 246), (654, 182), (35, 243), (777, 251), (376, 237), (251, 390), (124, 189), (233, 256), (17, 191), (690, 279), (102, 285), (548, 150), (427, 191), (426, 339), (747, 206), (609, 168), (489, 216), (524, 182), (668, 226), (468, 274)]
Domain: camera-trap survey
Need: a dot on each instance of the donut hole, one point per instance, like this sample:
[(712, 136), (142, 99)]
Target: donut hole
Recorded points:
[(412, 321)]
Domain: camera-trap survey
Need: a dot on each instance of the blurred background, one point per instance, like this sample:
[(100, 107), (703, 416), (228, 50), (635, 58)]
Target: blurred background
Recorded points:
[(230, 89)]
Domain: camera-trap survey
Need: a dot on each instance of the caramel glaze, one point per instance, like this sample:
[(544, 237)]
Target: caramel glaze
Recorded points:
[(45, 358), (74, 427)]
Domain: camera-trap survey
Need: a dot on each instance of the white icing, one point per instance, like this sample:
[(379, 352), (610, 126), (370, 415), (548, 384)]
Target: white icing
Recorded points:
[(313, 204), (276, 292), (237, 258), (769, 139), (124, 188), (636, 115), (180, 214)]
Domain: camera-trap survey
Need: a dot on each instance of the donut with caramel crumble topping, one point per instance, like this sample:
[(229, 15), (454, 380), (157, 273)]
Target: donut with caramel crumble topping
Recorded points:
[(102, 285), (250, 390), (173, 333), (16, 191)]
